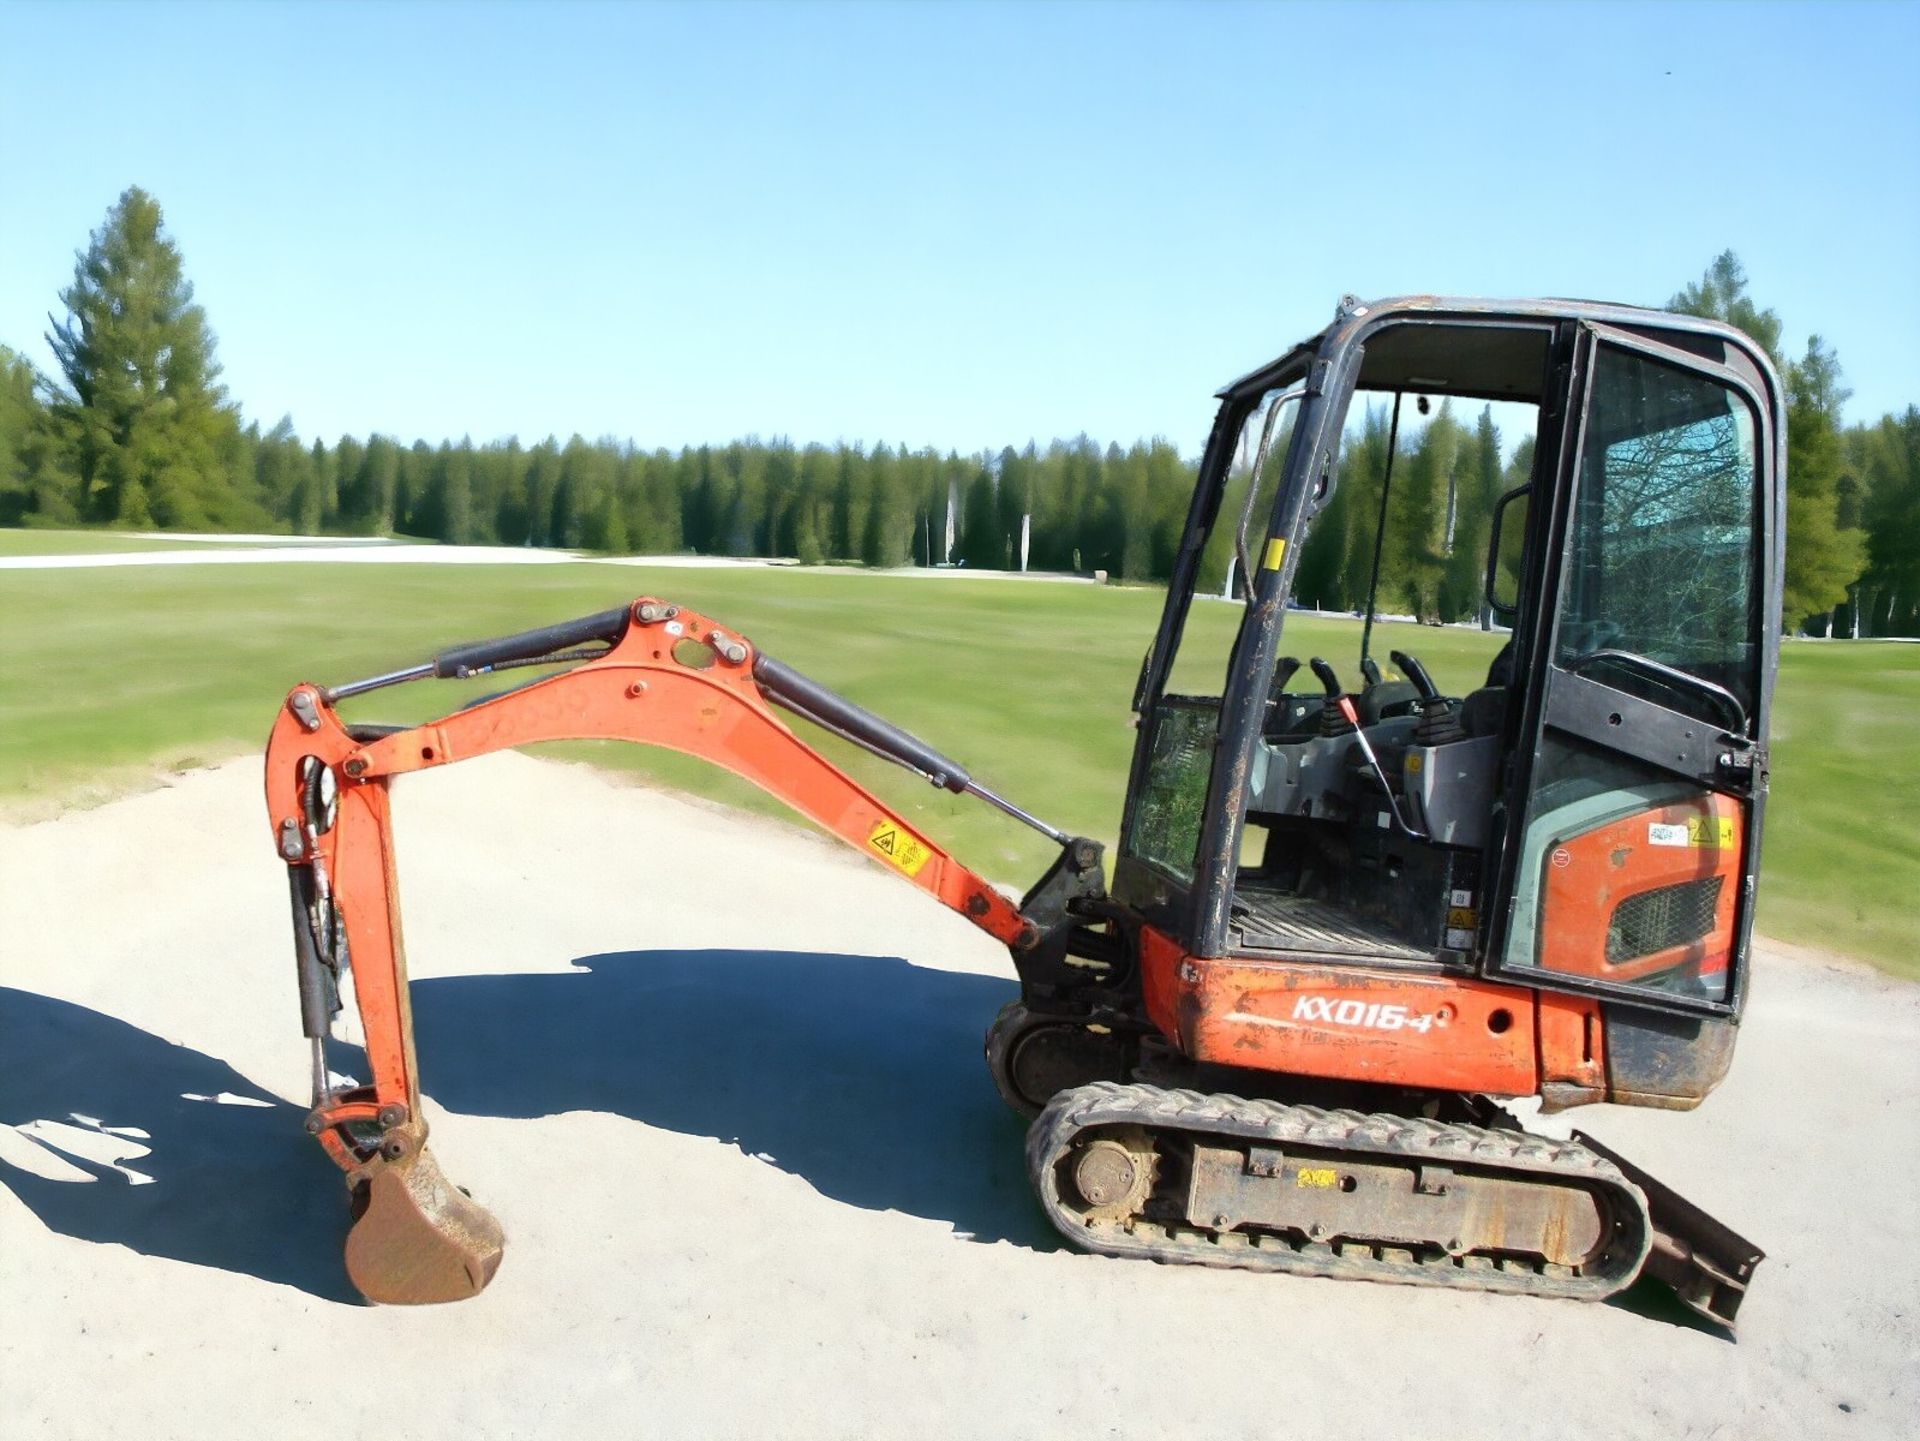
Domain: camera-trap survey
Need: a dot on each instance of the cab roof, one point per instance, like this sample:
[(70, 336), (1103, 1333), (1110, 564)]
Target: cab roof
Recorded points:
[(1484, 359)]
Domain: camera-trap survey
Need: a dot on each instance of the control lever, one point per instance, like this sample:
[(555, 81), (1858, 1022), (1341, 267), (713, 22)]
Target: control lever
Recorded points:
[(1370, 669), (1336, 719), (1345, 706), (1438, 724), (1416, 674), (1282, 709)]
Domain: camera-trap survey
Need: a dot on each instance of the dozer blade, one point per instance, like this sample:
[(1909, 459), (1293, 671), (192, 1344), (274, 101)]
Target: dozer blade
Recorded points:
[(1707, 1264), (421, 1239)]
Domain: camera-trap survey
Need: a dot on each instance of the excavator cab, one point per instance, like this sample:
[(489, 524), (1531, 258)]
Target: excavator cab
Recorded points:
[(1566, 797)]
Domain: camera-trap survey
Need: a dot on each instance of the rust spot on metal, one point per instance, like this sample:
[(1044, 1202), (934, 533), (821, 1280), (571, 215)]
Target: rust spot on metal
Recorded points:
[(420, 1239)]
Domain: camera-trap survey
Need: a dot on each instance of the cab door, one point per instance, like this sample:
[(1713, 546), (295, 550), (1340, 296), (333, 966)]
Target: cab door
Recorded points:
[(1634, 804)]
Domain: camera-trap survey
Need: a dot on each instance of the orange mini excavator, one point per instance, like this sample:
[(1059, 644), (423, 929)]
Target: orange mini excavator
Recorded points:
[(1343, 922)]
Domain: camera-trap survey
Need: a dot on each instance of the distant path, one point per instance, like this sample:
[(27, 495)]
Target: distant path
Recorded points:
[(288, 554), (373, 550)]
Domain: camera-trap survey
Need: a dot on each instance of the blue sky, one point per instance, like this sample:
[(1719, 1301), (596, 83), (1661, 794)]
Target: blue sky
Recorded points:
[(960, 225)]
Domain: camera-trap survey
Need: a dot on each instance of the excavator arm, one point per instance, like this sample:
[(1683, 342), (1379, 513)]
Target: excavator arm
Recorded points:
[(652, 673)]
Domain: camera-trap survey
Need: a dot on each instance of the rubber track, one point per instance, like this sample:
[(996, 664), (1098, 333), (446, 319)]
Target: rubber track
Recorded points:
[(1106, 1103)]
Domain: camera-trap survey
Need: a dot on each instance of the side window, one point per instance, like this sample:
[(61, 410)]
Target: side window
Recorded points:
[(1220, 589), (1661, 560), (1165, 830), (1167, 815)]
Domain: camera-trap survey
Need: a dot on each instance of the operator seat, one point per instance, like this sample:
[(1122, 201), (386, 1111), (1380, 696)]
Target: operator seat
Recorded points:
[(1389, 698)]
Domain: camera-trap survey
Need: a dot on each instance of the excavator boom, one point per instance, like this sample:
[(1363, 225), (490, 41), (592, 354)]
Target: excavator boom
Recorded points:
[(653, 673)]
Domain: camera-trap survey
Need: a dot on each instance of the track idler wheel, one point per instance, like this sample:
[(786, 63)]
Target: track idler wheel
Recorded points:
[(1114, 1173), (1034, 1057), (419, 1239)]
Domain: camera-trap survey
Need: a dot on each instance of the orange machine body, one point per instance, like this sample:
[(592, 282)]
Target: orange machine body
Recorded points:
[(1649, 895), (1421, 1029)]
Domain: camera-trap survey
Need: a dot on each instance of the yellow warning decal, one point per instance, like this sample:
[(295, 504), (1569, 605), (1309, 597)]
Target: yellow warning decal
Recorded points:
[(1276, 552), (1316, 1178), (1462, 916), (1714, 832), (898, 847)]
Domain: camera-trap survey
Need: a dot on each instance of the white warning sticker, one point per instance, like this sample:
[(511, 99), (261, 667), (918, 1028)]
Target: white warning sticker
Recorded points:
[(1461, 898), (1665, 835)]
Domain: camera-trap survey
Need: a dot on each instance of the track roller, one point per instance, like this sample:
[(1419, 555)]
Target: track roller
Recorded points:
[(1174, 1175)]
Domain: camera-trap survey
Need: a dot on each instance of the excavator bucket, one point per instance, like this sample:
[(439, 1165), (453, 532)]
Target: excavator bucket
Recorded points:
[(420, 1239)]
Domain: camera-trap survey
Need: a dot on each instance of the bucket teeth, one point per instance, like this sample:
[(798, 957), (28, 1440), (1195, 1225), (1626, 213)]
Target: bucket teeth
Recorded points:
[(421, 1239)]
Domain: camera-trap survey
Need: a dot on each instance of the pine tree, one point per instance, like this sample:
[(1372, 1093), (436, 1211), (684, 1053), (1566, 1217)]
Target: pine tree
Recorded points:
[(886, 540), (1126, 476), (744, 531), (21, 417), (413, 499), (326, 488), (284, 471), (1513, 524), (1892, 515), (1416, 518), (1823, 558), (666, 504), (1170, 490), (1475, 487), (543, 485), (456, 494), (983, 545), (809, 505), (350, 479), (37, 484), (382, 485), (1721, 294), (140, 416), (850, 499), (511, 509)]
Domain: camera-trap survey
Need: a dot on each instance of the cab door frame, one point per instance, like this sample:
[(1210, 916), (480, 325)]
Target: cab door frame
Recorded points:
[(1681, 745)]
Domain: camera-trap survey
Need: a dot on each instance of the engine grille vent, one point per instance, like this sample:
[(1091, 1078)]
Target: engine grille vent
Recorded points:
[(1656, 920)]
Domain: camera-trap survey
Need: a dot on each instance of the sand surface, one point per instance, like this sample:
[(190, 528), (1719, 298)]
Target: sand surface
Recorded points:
[(721, 1082)]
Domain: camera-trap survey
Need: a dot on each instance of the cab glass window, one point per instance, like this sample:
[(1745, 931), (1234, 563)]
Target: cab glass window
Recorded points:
[(1662, 554), (1220, 590), (1165, 829)]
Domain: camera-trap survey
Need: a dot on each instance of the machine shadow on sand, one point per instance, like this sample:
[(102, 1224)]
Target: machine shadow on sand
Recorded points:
[(861, 1075), (238, 1186)]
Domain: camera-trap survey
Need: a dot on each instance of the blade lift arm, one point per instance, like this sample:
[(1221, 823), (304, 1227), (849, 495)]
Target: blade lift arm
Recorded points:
[(652, 673)]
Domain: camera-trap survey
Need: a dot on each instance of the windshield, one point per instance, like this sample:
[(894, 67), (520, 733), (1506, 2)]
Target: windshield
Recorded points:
[(1419, 476)]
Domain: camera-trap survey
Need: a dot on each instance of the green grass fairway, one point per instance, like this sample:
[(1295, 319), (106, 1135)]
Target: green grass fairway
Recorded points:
[(106, 675), (17, 541)]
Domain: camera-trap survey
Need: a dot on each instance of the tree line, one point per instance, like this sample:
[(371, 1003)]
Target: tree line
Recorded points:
[(135, 431)]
